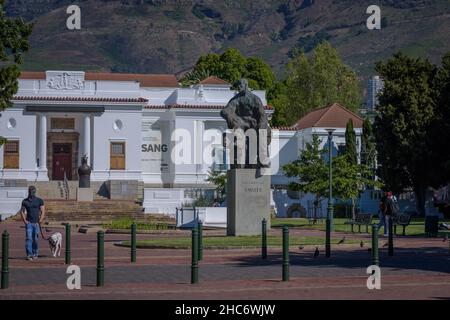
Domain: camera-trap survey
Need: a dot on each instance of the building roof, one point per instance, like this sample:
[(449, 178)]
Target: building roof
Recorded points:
[(215, 81), (145, 80), (193, 106), (284, 128), (331, 116), (80, 99)]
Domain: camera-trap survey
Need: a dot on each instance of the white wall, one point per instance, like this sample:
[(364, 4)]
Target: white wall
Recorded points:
[(25, 132), (104, 134), (11, 200)]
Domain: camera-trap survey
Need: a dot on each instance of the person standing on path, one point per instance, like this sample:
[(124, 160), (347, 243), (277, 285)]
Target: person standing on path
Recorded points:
[(391, 209), (33, 213)]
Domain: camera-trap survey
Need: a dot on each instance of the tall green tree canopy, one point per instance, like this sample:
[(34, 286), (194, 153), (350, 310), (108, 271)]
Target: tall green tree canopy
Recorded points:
[(350, 143), (316, 81), (14, 34), (440, 127), (232, 66), (405, 112), (368, 151)]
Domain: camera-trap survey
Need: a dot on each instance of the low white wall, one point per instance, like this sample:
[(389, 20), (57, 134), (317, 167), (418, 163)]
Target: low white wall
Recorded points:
[(11, 200), (163, 200), (215, 217)]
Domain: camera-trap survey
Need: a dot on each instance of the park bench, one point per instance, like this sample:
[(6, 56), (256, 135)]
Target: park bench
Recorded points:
[(361, 219), (401, 219)]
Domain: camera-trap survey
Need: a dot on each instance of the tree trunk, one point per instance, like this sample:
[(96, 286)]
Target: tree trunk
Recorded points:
[(353, 209), (316, 205), (420, 193)]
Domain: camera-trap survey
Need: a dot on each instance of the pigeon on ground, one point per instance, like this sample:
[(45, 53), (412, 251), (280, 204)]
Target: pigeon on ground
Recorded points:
[(361, 244), (341, 241), (316, 253), (301, 247), (386, 244)]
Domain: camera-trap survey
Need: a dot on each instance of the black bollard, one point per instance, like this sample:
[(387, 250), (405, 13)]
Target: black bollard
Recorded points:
[(133, 242), (100, 259), (68, 252), (200, 240), (5, 260), (285, 253), (375, 255), (328, 238), (194, 264), (264, 239)]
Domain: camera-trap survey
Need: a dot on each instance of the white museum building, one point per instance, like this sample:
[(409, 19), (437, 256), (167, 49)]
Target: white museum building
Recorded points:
[(133, 128)]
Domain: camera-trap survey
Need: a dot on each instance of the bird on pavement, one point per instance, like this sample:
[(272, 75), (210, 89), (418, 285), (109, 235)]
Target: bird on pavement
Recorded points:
[(445, 238), (385, 245), (361, 244), (341, 241), (301, 247), (316, 253)]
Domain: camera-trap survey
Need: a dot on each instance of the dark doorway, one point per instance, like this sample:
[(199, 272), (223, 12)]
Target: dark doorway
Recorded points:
[(62, 161)]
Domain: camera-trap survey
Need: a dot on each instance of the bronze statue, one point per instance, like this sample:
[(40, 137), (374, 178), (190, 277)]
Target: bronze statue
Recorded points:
[(245, 111), (84, 173)]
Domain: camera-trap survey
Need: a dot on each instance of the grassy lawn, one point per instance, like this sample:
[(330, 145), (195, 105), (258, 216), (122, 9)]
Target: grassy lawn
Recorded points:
[(234, 242), (125, 223), (416, 228)]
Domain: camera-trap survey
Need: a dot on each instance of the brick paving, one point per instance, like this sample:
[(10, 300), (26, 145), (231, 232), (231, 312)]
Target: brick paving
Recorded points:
[(420, 269)]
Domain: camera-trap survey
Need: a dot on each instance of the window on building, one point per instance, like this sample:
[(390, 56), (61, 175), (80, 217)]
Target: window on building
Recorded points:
[(63, 123), (117, 156), (11, 155)]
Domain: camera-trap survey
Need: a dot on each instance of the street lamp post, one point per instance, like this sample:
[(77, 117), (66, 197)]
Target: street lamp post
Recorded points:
[(329, 222)]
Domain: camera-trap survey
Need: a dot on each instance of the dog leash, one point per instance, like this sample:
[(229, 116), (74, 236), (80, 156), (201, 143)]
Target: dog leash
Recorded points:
[(42, 233)]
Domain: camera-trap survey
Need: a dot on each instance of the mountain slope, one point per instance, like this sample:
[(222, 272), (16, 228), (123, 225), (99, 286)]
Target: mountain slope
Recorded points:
[(168, 36)]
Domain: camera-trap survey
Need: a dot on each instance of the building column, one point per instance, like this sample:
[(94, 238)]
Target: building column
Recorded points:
[(43, 142), (87, 136), (42, 173)]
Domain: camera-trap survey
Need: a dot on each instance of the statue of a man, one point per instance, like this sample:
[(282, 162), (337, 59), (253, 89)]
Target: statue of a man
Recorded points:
[(84, 173), (246, 111)]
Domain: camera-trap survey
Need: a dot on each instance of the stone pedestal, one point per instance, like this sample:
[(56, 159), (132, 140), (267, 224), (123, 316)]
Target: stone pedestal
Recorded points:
[(248, 201), (85, 194)]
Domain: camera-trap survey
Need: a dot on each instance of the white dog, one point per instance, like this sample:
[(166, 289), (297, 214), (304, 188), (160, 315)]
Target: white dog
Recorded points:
[(55, 242)]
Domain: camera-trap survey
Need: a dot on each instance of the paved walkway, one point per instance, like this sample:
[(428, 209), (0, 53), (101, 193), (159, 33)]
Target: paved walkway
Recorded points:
[(419, 269)]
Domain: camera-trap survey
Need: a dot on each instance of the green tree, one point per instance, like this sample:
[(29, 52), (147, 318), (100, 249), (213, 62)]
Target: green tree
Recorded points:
[(440, 147), (232, 66), (14, 34), (405, 112), (350, 143), (319, 80), (311, 170), (277, 96), (219, 179), (368, 151)]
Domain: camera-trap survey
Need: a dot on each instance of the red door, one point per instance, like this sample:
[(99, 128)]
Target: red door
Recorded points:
[(62, 161)]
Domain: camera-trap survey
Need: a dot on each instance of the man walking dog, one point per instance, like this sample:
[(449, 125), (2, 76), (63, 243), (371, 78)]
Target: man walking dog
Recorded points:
[(33, 213)]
